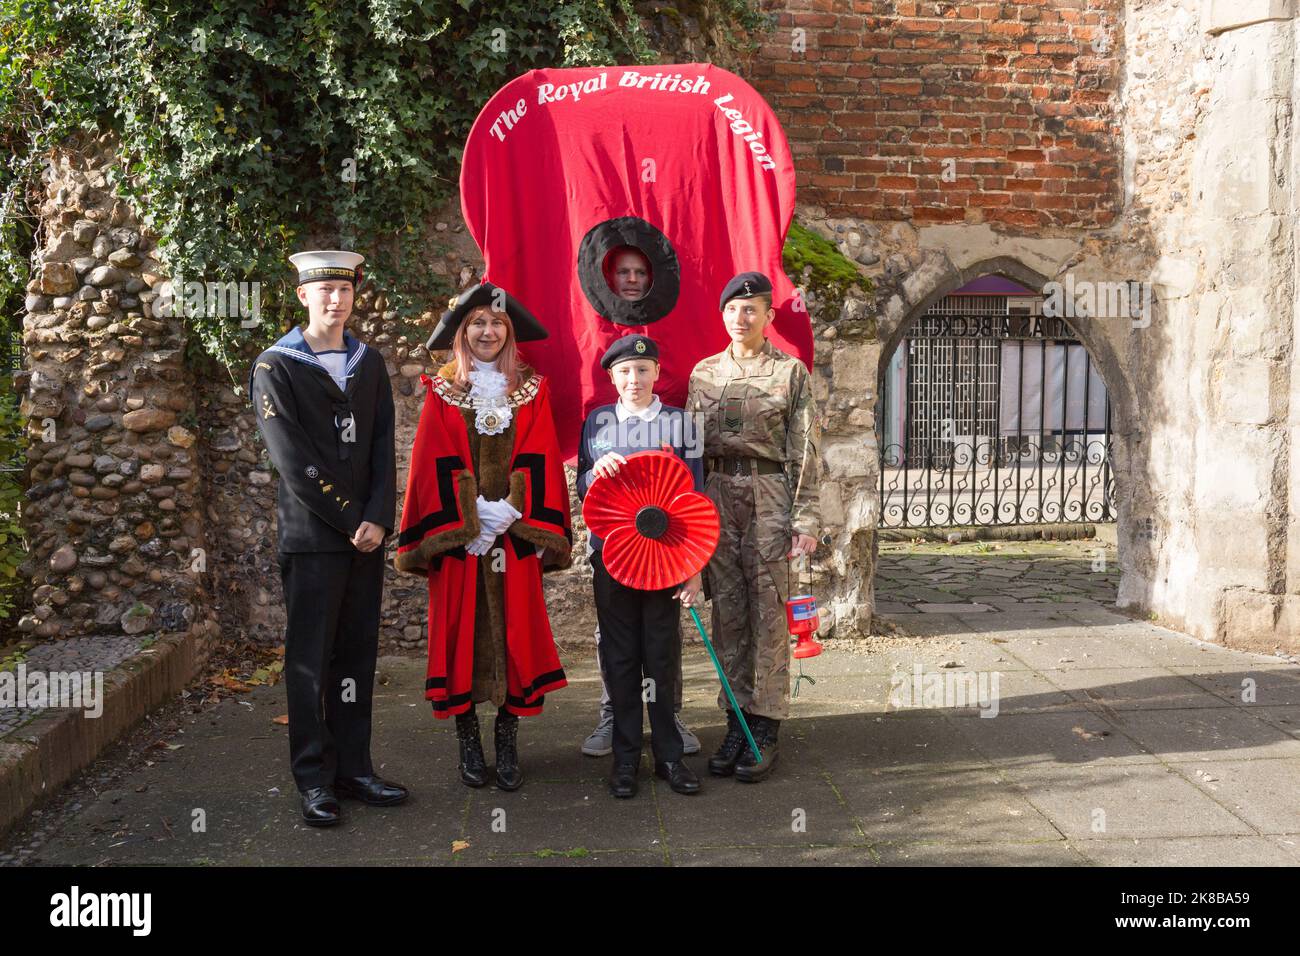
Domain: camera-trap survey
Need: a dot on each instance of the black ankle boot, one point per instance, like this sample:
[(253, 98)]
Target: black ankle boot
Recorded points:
[(765, 730), (506, 735), (473, 765), (723, 762)]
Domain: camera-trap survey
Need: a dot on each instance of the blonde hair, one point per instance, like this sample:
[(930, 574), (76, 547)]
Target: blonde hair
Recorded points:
[(507, 359)]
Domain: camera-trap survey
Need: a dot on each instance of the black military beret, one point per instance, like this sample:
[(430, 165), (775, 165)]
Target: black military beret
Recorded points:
[(630, 347), (744, 286), (527, 328)]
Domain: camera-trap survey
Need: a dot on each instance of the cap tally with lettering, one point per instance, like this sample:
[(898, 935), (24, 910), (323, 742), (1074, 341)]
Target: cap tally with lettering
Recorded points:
[(321, 265)]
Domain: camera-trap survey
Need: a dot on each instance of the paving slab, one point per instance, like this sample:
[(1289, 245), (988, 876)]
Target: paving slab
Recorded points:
[(1058, 852), (1261, 792), (1018, 740), (1137, 688), (1129, 801), (889, 744), (774, 856), (1202, 851), (948, 806), (1219, 732)]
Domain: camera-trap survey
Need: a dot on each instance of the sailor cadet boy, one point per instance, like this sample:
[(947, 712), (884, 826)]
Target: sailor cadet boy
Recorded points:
[(324, 408), (639, 630)]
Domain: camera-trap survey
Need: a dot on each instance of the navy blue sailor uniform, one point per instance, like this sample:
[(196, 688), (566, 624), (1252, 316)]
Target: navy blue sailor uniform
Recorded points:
[(334, 450)]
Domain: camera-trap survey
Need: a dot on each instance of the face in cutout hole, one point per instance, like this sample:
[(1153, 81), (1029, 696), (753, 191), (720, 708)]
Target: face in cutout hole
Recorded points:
[(627, 270)]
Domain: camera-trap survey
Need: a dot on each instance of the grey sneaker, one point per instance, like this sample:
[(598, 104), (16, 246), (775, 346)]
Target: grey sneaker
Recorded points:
[(690, 743), (601, 741)]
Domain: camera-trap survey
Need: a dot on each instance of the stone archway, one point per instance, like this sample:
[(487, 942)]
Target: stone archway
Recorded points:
[(928, 286)]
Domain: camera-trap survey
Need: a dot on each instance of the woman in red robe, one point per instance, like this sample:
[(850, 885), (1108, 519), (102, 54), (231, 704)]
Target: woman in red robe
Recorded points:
[(486, 511)]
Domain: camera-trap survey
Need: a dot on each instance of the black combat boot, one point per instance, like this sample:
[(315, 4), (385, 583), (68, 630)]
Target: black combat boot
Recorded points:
[(506, 733), (473, 765), (764, 729), (723, 761)]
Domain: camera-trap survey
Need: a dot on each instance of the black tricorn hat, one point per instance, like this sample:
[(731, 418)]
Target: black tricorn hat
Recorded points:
[(527, 328)]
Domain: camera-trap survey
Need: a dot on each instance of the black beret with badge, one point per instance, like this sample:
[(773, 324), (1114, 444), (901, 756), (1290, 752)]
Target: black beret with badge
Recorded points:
[(527, 328), (744, 286), (630, 347), (323, 265)]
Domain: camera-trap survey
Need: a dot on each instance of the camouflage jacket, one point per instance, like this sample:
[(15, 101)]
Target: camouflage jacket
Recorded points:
[(762, 408)]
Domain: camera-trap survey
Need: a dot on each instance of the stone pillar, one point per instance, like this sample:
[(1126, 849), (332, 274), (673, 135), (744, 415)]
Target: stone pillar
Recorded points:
[(846, 358), (114, 514), (1243, 182)]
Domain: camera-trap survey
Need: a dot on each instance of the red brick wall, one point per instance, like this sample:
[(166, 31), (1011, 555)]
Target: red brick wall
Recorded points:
[(1019, 97)]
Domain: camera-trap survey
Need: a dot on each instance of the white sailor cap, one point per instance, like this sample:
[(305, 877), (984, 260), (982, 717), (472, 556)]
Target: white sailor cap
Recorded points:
[(327, 264)]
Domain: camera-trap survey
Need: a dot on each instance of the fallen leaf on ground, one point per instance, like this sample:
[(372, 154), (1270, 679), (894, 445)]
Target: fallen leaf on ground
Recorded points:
[(1090, 734)]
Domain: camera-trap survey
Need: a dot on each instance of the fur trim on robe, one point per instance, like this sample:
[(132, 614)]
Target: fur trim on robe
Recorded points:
[(470, 647)]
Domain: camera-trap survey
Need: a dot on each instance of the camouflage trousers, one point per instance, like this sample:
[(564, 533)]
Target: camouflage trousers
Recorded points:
[(748, 583)]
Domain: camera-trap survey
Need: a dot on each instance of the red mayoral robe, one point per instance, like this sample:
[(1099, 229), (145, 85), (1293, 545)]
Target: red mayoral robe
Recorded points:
[(440, 517)]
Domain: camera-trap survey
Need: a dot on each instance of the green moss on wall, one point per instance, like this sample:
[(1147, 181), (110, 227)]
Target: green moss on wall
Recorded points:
[(832, 273)]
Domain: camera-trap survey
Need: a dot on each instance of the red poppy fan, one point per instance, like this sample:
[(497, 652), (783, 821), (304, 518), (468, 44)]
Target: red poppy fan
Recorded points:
[(657, 530)]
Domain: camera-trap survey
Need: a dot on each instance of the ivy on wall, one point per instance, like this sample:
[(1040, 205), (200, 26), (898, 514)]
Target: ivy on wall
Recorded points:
[(249, 128)]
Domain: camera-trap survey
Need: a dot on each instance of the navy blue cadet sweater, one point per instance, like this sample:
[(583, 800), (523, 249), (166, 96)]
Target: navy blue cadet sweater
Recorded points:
[(602, 433)]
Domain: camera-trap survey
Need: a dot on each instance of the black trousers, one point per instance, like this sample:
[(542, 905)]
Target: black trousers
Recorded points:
[(330, 645), (639, 635)]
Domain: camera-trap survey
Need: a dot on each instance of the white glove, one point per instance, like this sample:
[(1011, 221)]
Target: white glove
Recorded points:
[(480, 545), (496, 516)]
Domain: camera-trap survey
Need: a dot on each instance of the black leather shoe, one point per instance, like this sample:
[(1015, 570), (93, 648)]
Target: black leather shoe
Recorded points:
[(320, 808), (473, 765), (506, 739), (371, 790), (749, 770), (622, 780), (680, 777), (723, 761)]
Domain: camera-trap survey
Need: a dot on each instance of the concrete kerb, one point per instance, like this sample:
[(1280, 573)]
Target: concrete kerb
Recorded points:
[(41, 756)]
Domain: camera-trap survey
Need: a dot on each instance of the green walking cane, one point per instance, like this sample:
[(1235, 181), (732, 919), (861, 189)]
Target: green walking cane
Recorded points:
[(744, 724)]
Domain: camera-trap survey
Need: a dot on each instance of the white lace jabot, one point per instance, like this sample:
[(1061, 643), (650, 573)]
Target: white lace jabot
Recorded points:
[(485, 381), (487, 391)]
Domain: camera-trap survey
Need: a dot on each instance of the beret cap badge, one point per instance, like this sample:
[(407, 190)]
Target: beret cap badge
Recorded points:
[(745, 285)]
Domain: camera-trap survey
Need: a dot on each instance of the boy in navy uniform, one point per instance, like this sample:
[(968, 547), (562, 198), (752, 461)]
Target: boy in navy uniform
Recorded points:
[(639, 630), (324, 407)]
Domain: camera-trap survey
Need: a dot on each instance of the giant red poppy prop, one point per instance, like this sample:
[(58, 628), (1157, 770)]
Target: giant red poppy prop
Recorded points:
[(685, 162), (657, 530)]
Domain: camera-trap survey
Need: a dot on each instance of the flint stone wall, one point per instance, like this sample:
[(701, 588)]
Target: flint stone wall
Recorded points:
[(114, 509)]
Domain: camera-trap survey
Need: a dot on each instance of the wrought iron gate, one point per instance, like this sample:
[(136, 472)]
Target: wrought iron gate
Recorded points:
[(993, 418)]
